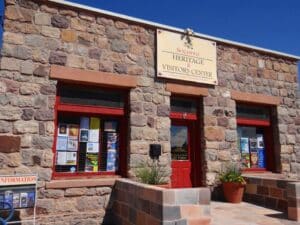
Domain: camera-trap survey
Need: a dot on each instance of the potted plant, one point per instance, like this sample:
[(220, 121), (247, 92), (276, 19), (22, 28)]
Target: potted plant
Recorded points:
[(152, 173), (233, 184)]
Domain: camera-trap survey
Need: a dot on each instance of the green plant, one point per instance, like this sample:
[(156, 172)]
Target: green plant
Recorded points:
[(150, 173), (232, 174)]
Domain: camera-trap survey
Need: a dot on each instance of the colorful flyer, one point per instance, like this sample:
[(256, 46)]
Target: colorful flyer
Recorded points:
[(94, 135), (23, 200), (91, 162), (73, 130), (72, 144), (31, 199), (71, 158), (253, 143), (245, 160), (16, 200), (95, 123), (62, 130), (84, 122), (61, 158), (254, 159), (244, 145), (61, 143), (92, 147), (8, 196), (112, 137), (260, 141), (110, 126), (84, 135), (261, 158), (111, 160)]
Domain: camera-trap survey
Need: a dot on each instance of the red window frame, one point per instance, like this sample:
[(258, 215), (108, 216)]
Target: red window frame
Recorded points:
[(100, 111), (266, 124)]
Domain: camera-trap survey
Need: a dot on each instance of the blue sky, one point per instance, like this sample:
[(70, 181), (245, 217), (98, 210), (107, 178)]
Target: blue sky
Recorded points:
[(272, 24)]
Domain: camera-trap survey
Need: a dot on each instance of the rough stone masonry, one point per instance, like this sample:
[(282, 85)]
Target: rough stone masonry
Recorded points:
[(38, 34)]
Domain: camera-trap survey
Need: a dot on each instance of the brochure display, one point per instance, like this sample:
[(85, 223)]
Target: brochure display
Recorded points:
[(252, 152), (89, 146), (18, 191)]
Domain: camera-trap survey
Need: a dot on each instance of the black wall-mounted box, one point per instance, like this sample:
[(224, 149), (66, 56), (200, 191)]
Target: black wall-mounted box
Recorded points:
[(155, 151)]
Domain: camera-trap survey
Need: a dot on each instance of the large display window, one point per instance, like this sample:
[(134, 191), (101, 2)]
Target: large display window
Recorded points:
[(255, 137), (90, 131)]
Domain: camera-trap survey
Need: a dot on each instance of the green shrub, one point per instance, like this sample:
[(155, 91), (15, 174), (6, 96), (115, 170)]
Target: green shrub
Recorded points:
[(232, 174), (151, 173)]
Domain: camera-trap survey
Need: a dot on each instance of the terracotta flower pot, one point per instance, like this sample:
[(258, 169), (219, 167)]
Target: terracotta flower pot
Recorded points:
[(233, 191)]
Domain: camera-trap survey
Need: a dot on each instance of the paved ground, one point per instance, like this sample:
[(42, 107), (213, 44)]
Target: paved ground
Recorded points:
[(246, 214)]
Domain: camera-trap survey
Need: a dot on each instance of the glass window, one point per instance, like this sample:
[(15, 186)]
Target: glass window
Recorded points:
[(252, 146), (183, 105), (179, 142), (87, 144), (90, 96), (252, 112)]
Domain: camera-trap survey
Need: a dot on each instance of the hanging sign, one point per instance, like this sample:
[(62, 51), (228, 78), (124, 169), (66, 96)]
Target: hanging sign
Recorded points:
[(184, 57)]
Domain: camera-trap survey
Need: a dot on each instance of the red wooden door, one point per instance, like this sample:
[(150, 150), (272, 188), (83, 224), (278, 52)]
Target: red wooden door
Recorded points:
[(182, 151)]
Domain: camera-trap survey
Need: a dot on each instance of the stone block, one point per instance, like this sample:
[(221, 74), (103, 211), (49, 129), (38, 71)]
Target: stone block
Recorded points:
[(58, 58), (19, 14), (75, 61), (214, 133), (10, 144), (294, 213), (60, 21), (10, 64), (42, 19), (68, 35), (251, 189), (276, 192), (71, 192), (171, 213), (13, 38), (27, 67), (50, 32), (22, 127)]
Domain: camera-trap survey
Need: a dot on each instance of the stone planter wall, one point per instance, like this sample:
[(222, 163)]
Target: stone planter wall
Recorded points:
[(274, 191), (139, 204)]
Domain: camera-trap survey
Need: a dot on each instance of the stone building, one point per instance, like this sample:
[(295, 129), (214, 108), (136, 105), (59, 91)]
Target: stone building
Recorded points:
[(67, 69)]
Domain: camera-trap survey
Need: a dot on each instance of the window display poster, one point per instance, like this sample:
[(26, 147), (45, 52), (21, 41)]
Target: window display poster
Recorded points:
[(110, 126), (62, 130), (84, 122), (61, 158), (92, 147), (245, 160), (253, 144), (73, 130), (8, 196), (71, 158), (260, 141), (84, 135), (72, 144), (61, 143), (91, 162), (261, 158), (94, 135), (24, 199), (254, 159), (95, 123), (244, 145), (111, 160), (16, 200)]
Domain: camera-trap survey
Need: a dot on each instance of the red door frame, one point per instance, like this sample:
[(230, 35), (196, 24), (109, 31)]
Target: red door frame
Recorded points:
[(116, 113), (191, 121)]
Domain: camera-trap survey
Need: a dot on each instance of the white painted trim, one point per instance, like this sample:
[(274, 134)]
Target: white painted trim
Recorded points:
[(162, 26)]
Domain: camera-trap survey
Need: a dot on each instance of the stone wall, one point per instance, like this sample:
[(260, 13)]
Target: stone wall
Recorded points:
[(252, 72), (139, 204)]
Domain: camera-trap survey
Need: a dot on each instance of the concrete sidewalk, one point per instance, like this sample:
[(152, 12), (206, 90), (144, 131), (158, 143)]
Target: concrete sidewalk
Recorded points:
[(246, 214)]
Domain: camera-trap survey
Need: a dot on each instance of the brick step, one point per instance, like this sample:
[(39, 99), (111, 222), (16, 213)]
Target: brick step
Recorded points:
[(193, 211), (199, 221)]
